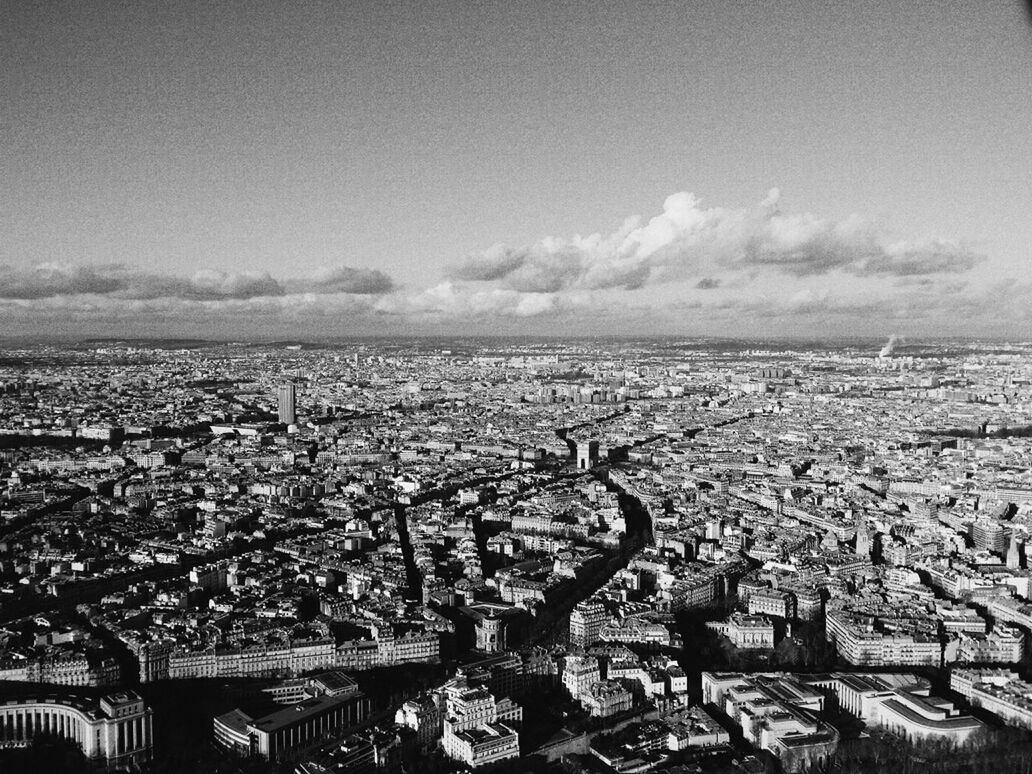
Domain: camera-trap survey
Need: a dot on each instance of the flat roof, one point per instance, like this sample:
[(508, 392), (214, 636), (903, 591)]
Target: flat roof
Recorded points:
[(806, 739), (334, 681), (298, 713), (964, 721), (864, 682), (235, 720)]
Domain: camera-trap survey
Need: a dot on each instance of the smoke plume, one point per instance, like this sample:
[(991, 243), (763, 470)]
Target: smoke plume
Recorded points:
[(890, 346)]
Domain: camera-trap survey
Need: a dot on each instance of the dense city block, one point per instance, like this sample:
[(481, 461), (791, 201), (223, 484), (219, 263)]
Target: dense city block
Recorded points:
[(515, 555)]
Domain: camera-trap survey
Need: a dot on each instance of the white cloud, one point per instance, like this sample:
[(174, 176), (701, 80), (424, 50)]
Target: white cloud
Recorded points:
[(688, 241), (689, 268), (118, 281)]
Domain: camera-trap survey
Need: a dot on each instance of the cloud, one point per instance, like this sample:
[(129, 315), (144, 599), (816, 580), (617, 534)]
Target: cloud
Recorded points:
[(204, 285), (51, 279), (542, 268), (462, 301), (119, 282), (343, 279), (217, 284), (495, 263), (687, 240), (690, 268), (933, 257)]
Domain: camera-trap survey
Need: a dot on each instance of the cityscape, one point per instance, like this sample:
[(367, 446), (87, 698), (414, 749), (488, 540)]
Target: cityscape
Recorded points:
[(518, 555), (515, 387)]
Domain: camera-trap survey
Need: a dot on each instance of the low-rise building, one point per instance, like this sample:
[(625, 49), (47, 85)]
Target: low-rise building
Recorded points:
[(636, 631), (484, 745), (478, 729), (579, 673), (899, 703), (780, 604), (777, 713), (606, 698), (693, 727), (1003, 645), (275, 735), (586, 621), (745, 631), (999, 691), (862, 640)]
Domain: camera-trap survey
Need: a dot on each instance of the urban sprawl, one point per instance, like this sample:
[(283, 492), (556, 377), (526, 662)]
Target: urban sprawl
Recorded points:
[(526, 555)]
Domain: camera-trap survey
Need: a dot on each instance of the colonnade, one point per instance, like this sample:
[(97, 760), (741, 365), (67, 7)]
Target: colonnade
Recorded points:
[(96, 735)]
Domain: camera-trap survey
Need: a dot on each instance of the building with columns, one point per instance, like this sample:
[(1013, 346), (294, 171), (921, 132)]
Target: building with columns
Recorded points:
[(281, 733), (900, 703), (115, 729), (490, 631), (745, 631)]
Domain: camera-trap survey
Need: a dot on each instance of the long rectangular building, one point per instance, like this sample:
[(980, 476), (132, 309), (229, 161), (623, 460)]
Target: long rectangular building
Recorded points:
[(999, 691), (274, 735)]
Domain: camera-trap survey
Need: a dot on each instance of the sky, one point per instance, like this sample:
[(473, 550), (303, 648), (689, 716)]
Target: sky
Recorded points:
[(280, 170)]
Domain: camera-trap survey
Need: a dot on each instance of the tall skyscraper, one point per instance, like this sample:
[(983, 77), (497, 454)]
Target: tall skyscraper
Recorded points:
[(288, 403)]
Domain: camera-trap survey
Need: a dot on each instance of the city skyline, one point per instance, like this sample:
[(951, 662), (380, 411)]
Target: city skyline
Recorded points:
[(516, 385), (415, 555), (516, 169)]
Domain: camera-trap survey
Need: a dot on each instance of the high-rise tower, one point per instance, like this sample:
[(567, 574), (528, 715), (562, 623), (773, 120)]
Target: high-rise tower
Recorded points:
[(287, 403)]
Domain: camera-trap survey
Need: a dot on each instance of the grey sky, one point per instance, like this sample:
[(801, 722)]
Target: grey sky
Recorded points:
[(296, 140)]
